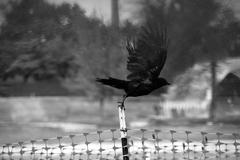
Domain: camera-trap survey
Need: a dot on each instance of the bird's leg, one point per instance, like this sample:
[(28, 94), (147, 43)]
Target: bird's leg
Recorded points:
[(123, 100)]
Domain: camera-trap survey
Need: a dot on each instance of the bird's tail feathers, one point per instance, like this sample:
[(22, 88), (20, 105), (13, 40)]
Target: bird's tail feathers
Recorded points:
[(113, 82)]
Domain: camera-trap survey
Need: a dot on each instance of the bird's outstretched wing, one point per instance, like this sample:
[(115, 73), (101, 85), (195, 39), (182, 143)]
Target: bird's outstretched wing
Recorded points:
[(147, 54)]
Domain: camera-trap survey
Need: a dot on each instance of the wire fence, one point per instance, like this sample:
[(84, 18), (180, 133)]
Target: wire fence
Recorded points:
[(143, 144)]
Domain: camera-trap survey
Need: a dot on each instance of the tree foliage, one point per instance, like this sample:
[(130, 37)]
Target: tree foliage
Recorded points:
[(198, 30), (34, 39), (44, 41)]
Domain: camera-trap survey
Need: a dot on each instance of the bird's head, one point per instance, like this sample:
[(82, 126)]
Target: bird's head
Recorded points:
[(160, 82)]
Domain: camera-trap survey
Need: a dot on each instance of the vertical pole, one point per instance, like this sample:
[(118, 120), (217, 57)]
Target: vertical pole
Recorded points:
[(123, 130), (213, 85), (115, 14)]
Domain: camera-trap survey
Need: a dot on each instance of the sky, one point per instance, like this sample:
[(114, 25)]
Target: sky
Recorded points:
[(102, 8), (127, 8)]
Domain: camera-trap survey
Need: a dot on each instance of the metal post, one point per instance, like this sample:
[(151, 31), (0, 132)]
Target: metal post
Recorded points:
[(123, 130)]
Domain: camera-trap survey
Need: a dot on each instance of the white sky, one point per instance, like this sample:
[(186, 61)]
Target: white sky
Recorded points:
[(103, 8), (127, 8)]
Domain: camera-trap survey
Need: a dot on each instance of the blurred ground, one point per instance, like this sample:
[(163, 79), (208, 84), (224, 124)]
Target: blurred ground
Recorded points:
[(34, 118)]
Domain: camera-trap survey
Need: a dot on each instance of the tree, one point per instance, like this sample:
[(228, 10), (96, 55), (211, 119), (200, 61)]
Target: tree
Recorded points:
[(44, 41), (198, 31), (34, 38)]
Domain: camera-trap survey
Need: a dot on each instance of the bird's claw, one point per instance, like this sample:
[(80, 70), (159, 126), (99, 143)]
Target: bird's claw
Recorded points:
[(121, 104)]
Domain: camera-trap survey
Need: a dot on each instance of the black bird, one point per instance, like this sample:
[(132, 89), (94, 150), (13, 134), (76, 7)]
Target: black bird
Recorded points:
[(147, 56)]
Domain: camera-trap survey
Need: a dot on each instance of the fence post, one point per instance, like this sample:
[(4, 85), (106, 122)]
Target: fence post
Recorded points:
[(123, 130)]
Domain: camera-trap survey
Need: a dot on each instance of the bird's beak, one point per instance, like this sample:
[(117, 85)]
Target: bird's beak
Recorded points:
[(168, 83)]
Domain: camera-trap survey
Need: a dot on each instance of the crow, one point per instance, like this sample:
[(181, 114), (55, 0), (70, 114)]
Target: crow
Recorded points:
[(147, 55)]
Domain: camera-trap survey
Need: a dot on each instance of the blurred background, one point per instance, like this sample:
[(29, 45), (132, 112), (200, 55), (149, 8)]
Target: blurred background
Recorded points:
[(51, 51)]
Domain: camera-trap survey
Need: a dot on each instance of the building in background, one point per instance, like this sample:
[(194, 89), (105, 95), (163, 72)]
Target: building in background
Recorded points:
[(190, 94)]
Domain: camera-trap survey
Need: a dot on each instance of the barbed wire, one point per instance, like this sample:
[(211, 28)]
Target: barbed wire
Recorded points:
[(142, 144)]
